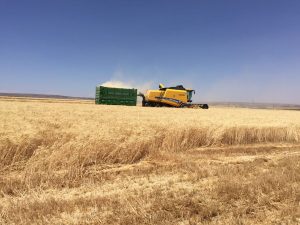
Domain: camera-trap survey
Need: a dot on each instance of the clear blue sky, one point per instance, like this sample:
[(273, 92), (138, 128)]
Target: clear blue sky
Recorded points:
[(230, 50)]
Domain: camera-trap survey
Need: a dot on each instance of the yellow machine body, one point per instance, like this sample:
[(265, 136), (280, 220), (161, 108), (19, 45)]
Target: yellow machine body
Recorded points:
[(169, 97), (177, 96)]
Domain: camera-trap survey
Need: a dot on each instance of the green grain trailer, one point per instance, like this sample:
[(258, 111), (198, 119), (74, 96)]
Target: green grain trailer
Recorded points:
[(115, 96)]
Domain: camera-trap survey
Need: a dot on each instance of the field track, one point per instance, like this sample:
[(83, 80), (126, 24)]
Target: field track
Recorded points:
[(93, 164)]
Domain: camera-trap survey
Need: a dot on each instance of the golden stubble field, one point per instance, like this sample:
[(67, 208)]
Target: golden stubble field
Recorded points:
[(73, 162)]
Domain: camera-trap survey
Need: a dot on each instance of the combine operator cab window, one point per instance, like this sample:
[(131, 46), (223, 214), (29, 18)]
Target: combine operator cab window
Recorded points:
[(189, 96)]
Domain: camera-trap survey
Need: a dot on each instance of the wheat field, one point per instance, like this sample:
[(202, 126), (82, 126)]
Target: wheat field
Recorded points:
[(73, 162)]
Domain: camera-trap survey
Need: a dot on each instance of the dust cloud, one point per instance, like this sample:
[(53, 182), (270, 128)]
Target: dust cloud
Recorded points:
[(142, 87)]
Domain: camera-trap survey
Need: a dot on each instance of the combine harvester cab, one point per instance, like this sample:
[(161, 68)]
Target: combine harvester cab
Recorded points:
[(178, 97)]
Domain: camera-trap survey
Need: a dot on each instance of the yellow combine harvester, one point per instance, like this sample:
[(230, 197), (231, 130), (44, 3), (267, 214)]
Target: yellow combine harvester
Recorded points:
[(170, 96)]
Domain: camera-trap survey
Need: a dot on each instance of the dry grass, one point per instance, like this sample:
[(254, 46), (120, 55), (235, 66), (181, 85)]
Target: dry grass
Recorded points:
[(89, 164)]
